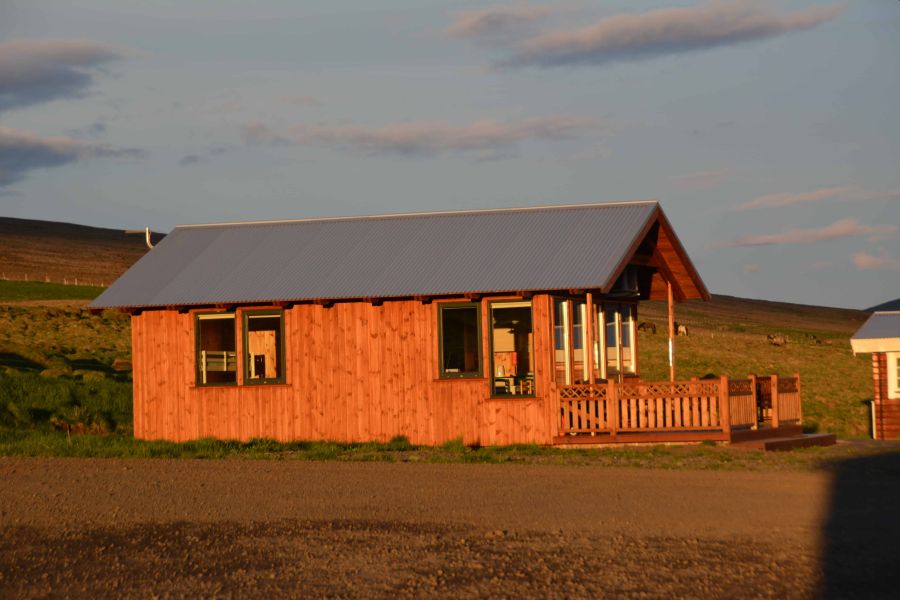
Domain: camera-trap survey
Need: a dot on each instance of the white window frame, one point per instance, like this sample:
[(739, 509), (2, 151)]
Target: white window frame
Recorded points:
[(893, 375)]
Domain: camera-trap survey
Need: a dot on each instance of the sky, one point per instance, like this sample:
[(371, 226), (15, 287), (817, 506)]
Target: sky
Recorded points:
[(769, 131)]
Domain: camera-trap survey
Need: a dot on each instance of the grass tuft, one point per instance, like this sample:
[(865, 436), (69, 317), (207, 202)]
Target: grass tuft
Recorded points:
[(38, 290)]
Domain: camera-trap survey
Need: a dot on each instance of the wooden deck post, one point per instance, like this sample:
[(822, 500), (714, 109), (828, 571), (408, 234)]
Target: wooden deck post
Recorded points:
[(612, 397), (671, 331), (601, 327), (753, 391), (725, 406), (589, 337), (799, 399), (620, 352), (774, 385), (570, 349)]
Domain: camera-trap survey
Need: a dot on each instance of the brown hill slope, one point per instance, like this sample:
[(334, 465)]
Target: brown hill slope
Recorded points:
[(47, 250)]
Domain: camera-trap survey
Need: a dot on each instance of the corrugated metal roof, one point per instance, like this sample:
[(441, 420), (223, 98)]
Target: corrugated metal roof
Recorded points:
[(879, 326), (428, 254)]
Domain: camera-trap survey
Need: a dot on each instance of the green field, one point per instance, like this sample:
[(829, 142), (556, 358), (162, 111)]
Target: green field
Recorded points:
[(65, 383), (38, 290)]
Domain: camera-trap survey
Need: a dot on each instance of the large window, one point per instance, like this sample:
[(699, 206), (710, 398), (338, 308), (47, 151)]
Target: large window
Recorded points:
[(216, 358), (263, 347), (569, 344), (459, 333), (512, 349), (619, 323), (611, 340)]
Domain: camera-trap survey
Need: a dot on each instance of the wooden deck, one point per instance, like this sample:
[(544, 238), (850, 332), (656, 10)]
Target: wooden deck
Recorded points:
[(723, 409)]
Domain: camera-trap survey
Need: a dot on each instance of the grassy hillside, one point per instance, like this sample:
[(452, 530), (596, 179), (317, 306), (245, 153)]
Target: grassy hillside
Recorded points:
[(728, 336), (63, 368), (46, 250)]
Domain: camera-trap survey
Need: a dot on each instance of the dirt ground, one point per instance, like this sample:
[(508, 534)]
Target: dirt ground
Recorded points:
[(161, 528)]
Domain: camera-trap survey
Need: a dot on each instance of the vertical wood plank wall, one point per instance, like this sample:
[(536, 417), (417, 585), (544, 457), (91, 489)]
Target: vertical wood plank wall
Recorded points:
[(355, 372), (887, 410)]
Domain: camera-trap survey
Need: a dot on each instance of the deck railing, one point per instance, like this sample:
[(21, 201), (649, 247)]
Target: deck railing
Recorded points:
[(698, 405), (742, 399)]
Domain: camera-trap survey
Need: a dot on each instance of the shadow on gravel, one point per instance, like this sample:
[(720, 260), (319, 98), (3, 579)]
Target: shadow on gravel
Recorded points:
[(861, 539)]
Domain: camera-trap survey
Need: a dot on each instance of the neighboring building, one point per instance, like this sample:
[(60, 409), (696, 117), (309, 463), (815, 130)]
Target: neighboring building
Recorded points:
[(495, 326), (880, 336)]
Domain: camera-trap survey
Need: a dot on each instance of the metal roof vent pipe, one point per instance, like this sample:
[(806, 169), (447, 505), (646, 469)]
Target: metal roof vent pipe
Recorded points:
[(146, 232)]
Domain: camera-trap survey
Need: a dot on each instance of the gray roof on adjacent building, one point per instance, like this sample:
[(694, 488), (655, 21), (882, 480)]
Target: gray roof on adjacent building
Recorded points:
[(428, 254), (880, 325), (881, 333)]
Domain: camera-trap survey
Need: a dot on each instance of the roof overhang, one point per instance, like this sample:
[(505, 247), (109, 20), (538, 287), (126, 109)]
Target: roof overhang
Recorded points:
[(866, 346)]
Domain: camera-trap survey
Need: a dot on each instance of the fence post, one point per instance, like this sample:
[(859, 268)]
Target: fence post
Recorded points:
[(612, 397), (725, 406), (754, 391), (563, 414), (799, 400), (774, 385)]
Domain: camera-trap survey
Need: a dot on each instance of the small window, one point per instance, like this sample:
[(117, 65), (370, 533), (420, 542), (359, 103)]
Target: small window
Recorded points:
[(216, 356), (512, 349), (459, 333), (263, 347)]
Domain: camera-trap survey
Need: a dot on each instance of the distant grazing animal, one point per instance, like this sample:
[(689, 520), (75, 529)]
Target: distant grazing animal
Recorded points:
[(819, 341), (681, 329), (647, 326), (776, 340)]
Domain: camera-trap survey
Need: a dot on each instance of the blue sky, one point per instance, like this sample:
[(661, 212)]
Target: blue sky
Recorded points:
[(769, 131)]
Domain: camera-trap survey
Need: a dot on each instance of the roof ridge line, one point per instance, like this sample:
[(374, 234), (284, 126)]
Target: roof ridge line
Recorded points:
[(476, 211)]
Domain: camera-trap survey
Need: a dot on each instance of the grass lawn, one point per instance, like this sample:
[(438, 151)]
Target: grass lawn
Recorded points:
[(37, 290), (19, 442)]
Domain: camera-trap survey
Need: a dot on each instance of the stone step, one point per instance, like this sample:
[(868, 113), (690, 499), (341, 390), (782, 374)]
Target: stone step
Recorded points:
[(789, 442)]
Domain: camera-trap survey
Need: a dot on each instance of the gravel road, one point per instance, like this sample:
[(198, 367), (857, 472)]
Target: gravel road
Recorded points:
[(176, 528)]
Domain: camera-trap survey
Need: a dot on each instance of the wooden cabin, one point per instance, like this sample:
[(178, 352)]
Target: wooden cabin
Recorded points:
[(880, 337), (494, 326)]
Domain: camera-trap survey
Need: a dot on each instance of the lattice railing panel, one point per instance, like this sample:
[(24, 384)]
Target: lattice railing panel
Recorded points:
[(568, 392), (787, 385)]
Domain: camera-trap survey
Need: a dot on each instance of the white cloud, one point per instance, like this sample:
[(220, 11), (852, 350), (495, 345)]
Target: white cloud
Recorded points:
[(790, 198), (868, 262), (22, 152), (424, 138), (665, 31), (35, 71), (839, 229), (496, 21)]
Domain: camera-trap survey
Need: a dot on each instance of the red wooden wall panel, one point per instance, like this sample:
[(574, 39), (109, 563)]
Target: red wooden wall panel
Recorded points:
[(355, 372)]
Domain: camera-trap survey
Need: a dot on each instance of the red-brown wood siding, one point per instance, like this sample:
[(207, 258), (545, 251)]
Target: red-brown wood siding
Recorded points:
[(354, 371), (887, 410)]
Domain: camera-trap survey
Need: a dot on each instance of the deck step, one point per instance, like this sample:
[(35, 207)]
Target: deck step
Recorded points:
[(789, 442), (748, 435)]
